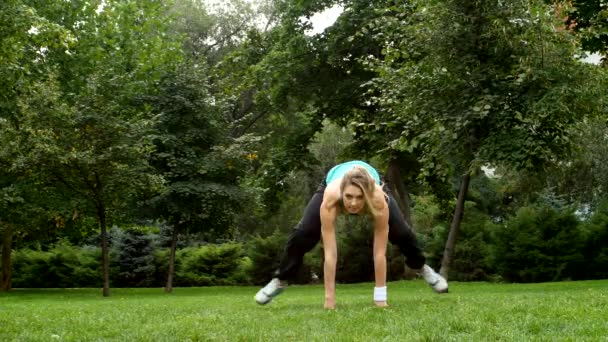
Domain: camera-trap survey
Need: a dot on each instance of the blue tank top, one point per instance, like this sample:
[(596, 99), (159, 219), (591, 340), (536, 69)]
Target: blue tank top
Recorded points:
[(339, 170)]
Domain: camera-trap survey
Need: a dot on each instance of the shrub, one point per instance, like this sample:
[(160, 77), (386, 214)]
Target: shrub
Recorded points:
[(265, 255), (538, 244), (355, 238), (209, 265), (471, 254), (355, 252), (596, 244), (133, 252), (62, 266)]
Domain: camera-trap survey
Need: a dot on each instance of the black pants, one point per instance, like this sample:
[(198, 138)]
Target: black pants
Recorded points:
[(307, 233)]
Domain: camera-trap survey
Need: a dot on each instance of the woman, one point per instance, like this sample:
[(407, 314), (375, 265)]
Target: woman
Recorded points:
[(350, 188)]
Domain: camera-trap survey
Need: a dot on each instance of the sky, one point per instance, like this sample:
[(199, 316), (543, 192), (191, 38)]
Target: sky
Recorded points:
[(322, 20)]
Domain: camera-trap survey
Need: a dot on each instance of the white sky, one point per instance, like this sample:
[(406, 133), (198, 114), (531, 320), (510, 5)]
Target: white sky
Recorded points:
[(593, 58), (320, 21)]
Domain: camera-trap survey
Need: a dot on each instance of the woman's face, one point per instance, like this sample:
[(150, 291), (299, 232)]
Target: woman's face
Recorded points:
[(353, 199)]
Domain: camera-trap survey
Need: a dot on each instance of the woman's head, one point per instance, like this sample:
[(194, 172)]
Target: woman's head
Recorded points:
[(357, 189)]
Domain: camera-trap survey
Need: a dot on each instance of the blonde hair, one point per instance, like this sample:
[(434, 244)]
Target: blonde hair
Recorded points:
[(361, 178)]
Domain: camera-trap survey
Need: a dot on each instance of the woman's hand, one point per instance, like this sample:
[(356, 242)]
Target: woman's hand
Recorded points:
[(328, 214), (381, 304), (330, 303)]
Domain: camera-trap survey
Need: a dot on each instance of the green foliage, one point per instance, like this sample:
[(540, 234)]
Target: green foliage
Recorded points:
[(539, 244), (473, 250), (596, 245), (265, 255), (481, 82), (210, 265), (67, 266), (355, 258), (63, 266), (354, 235), (590, 19), (582, 178), (431, 230), (134, 256), (212, 32), (199, 163)]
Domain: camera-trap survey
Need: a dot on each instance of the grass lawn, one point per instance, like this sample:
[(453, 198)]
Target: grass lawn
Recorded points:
[(564, 311)]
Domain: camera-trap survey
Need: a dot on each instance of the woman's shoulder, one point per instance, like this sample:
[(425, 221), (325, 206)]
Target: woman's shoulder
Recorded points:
[(380, 198), (332, 190), (331, 195)]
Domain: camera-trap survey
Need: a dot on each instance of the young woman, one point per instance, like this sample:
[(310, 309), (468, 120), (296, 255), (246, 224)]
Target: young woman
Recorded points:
[(350, 188)]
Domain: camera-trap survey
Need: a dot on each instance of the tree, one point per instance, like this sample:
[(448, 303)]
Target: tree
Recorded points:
[(477, 83), (589, 19), (582, 176), (85, 126), (213, 32), (25, 37), (199, 163)]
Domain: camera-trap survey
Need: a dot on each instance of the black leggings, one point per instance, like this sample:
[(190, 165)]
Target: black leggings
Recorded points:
[(307, 233)]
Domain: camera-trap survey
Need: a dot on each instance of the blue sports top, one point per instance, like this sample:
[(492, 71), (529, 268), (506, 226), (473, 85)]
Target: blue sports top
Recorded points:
[(339, 170)]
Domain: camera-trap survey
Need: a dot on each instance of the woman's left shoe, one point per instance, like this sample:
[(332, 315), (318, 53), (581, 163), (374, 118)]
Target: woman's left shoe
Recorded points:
[(271, 290)]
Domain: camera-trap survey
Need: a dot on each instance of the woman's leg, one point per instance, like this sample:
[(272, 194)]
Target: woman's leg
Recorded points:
[(402, 235), (304, 237)]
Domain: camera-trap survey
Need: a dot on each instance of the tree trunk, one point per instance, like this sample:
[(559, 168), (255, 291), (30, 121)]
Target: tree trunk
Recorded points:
[(393, 175), (448, 253), (7, 242), (105, 260), (169, 286)]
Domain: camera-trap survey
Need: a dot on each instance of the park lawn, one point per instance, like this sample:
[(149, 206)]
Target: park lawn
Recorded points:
[(562, 311)]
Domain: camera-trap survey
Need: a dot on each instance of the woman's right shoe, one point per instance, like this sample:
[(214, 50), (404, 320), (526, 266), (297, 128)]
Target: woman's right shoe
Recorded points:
[(434, 279)]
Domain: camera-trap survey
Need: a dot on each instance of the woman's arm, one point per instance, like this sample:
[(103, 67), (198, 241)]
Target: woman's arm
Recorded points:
[(328, 233), (380, 242)]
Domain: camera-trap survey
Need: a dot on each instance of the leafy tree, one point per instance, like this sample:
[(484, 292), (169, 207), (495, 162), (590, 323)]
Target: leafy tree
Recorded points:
[(589, 18), (213, 32), (26, 36), (478, 83), (199, 163), (582, 175), (85, 127)]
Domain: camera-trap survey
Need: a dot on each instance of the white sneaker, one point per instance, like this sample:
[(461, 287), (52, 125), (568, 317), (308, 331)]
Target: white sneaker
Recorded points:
[(434, 279), (271, 290)]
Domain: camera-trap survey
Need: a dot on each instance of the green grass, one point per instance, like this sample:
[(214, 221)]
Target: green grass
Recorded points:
[(564, 311)]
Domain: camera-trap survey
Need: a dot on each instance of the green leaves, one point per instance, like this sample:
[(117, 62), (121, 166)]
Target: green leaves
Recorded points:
[(490, 83)]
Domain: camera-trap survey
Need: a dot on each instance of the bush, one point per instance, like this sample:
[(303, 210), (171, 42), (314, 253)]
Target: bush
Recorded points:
[(431, 231), (471, 254), (265, 255), (66, 266), (538, 244), (355, 238), (355, 249), (209, 265), (596, 244), (133, 256), (62, 266)]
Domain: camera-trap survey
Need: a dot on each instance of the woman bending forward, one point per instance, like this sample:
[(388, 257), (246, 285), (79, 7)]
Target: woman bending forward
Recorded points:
[(350, 188)]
